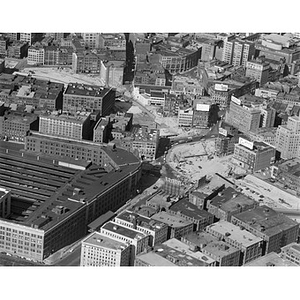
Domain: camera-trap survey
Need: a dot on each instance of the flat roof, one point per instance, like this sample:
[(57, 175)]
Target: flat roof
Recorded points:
[(86, 90), (244, 237), (220, 249), (171, 220), (122, 230), (77, 118), (189, 209), (154, 259), (199, 238), (266, 220), (101, 220), (182, 247), (270, 259), (99, 240)]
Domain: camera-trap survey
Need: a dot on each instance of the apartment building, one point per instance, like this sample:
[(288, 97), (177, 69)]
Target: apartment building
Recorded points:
[(98, 250), (274, 228), (249, 244)]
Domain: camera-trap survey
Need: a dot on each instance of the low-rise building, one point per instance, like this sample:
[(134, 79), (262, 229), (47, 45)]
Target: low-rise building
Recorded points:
[(291, 252), (185, 117), (249, 244), (229, 202), (276, 229), (98, 250), (138, 240), (253, 156), (177, 226), (191, 212), (186, 85), (157, 230), (271, 259)]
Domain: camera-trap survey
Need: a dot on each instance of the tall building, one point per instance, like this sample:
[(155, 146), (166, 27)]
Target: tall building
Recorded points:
[(274, 228), (26, 37), (73, 126), (288, 138), (98, 250), (5, 203), (36, 55), (83, 97), (92, 40)]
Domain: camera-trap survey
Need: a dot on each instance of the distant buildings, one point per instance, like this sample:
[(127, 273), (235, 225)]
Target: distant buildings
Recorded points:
[(274, 228), (259, 70)]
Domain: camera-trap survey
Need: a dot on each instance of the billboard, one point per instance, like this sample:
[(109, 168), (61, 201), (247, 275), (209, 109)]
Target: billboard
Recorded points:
[(221, 87), (236, 100), (202, 107), (223, 131), (246, 143)]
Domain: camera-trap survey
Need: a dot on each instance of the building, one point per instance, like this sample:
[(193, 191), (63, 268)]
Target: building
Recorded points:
[(177, 225), (52, 202), (229, 202), (107, 156), (5, 203), (228, 136), (17, 49), (288, 174), (27, 37), (92, 40), (242, 117), (259, 70), (291, 252), (253, 156), (224, 254), (2, 65), (202, 111), (36, 55), (51, 55), (138, 240), (288, 138), (157, 230), (73, 126), (112, 73), (81, 97), (183, 248), (100, 131), (271, 259), (157, 259), (100, 251), (274, 228), (248, 243), (17, 125), (173, 186), (86, 62), (191, 212), (185, 117), (186, 85)]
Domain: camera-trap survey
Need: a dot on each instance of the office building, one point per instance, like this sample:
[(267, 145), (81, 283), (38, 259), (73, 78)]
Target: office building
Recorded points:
[(253, 156), (86, 62), (100, 131), (73, 126), (52, 201), (92, 40), (81, 97), (186, 85), (36, 55), (291, 252), (98, 250), (288, 138), (229, 202), (177, 225), (185, 117), (157, 230), (17, 49), (274, 228), (248, 243), (191, 212)]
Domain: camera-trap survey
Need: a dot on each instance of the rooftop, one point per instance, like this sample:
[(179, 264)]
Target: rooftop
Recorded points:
[(79, 118), (122, 230), (152, 258), (86, 90), (266, 220), (219, 249), (270, 260), (233, 232), (96, 239), (189, 209), (200, 239), (170, 220)]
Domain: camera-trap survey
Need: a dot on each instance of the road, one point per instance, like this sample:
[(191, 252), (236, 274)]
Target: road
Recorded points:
[(6, 260), (71, 258)]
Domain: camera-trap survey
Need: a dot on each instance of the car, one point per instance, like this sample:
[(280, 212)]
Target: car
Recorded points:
[(155, 187)]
